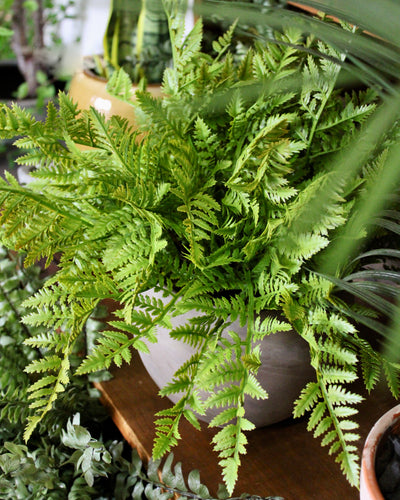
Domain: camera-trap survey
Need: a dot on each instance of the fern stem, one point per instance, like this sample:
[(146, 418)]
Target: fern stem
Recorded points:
[(335, 421), (324, 102), (243, 382), (41, 200), (183, 402)]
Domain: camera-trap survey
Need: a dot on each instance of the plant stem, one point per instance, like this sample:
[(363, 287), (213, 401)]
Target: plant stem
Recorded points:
[(29, 59), (317, 116)]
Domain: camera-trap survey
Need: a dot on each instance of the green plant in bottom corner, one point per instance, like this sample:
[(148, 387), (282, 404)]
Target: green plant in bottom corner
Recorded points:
[(75, 453), (213, 208)]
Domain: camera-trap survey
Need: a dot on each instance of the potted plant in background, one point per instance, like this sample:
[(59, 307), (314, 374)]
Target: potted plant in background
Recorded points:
[(27, 36), (379, 468), (28, 68), (214, 207), (136, 39)]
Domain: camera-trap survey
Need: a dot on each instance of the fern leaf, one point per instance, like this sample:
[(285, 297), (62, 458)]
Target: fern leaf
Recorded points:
[(334, 375), (167, 435), (42, 382), (225, 397), (224, 417), (44, 398), (316, 415), (230, 468), (392, 377), (349, 463), (48, 363), (268, 326), (223, 42), (308, 397), (253, 388), (120, 85), (337, 395)]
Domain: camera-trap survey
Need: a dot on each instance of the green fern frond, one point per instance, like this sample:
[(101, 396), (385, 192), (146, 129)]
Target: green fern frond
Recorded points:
[(15, 121), (215, 378), (253, 388), (115, 347), (392, 374), (186, 47), (44, 340), (167, 436), (44, 398), (315, 290), (333, 375), (245, 67), (223, 42), (220, 307), (192, 334), (371, 365), (307, 400), (120, 85), (47, 363), (305, 246), (328, 400), (223, 417), (274, 291), (153, 107), (176, 385), (185, 380), (231, 442), (270, 325), (252, 361)]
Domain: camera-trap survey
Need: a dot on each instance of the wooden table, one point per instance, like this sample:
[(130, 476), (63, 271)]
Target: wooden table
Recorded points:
[(283, 459)]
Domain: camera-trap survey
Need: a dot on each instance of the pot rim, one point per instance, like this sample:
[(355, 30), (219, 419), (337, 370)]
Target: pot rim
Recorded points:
[(368, 481), (88, 72)]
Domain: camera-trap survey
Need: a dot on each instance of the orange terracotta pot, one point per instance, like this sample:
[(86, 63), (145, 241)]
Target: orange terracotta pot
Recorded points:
[(89, 90), (369, 488)]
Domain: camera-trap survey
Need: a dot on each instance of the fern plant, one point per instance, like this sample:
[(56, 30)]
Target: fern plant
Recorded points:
[(214, 208), (76, 452)]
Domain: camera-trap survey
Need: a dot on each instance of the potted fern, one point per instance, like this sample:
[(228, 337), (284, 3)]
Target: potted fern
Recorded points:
[(213, 210)]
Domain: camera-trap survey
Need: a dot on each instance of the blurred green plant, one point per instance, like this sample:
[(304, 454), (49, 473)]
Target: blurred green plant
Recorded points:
[(137, 39), (28, 34)]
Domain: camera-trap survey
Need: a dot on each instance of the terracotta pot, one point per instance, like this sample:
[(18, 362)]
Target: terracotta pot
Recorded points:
[(89, 90), (369, 488), (284, 372)]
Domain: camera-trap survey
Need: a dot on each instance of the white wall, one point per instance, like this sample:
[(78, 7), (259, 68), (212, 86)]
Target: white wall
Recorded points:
[(82, 35)]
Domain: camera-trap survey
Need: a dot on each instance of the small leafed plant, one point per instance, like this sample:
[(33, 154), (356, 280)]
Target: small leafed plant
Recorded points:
[(213, 207)]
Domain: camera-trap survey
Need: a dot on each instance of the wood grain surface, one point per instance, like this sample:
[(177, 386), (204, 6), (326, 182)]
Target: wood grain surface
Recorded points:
[(283, 459)]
